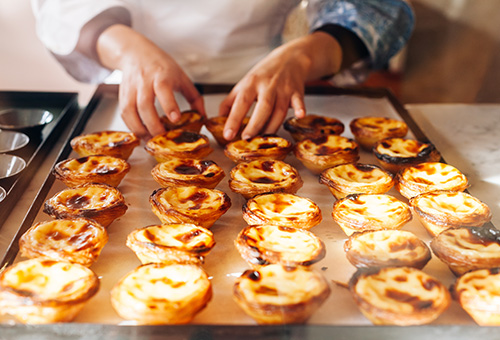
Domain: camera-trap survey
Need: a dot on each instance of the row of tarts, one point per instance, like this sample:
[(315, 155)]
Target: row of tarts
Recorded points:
[(171, 286)]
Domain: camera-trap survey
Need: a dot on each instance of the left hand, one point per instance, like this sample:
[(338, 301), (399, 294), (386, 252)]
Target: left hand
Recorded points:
[(277, 83)]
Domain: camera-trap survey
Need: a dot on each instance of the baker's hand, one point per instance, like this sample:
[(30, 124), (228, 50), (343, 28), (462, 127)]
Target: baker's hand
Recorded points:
[(148, 73), (277, 83)]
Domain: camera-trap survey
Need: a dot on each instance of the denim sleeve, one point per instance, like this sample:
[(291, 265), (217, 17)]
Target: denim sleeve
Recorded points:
[(384, 26)]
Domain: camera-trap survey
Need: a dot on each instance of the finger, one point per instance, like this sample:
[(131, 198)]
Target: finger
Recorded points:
[(226, 104), (147, 110), (298, 105), (194, 98), (239, 109), (261, 114), (277, 116), (167, 101), (129, 114)]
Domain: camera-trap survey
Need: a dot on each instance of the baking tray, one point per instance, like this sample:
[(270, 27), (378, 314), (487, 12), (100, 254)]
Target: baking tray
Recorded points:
[(339, 319), (63, 106)]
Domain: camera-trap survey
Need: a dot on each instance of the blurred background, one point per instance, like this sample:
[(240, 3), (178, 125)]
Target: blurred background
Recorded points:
[(452, 57)]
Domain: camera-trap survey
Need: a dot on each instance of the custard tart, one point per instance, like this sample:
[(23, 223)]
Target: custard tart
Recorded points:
[(91, 169), (99, 202), (282, 209), (266, 147), (171, 243), (369, 130), (259, 177), (431, 176), (464, 249), (190, 120), (276, 294), (312, 126), (478, 292), (215, 126), (320, 153), (188, 172), (41, 291), (118, 144), (356, 178), (386, 248), (395, 154), (159, 293), (400, 296), (441, 210), (178, 144), (200, 206), (361, 212), (78, 241), (265, 244)]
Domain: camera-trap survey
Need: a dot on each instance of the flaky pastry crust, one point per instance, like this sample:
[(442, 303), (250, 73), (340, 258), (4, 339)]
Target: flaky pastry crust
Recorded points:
[(259, 177), (468, 248), (200, 206), (190, 120), (312, 126), (401, 296), (91, 169), (395, 154), (118, 144), (478, 292), (78, 241), (430, 176), (215, 125), (369, 130), (361, 212), (282, 209), (280, 295), (40, 291), (318, 154), (188, 172), (158, 293), (178, 144), (99, 202), (171, 243), (266, 244), (356, 178), (386, 248), (441, 210), (266, 147)]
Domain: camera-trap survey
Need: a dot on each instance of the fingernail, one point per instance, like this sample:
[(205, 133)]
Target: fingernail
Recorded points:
[(245, 136), (228, 134), (175, 116)]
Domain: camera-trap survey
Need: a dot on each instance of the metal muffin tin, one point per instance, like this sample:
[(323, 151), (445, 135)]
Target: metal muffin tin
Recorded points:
[(10, 165), (24, 119), (12, 140)]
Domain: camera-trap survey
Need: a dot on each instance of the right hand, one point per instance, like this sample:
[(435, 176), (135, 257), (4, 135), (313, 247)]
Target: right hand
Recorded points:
[(148, 73)]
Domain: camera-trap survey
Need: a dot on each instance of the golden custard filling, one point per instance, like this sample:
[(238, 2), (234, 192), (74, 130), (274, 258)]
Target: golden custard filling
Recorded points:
[(162, 284), (88, 197), (188, 237), (46, 280), (433, 174), (379, 125), (282, 207), (326, 145), (468, 245), (480, 289), (401, 290), (264, 172), (384, 245), (191, 200), (109, 138), (378, 208), (178, 141), (182, 168), (259, 144), (278, 285), (95, 165), (401, 148), (452, 207), (357, 175)]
